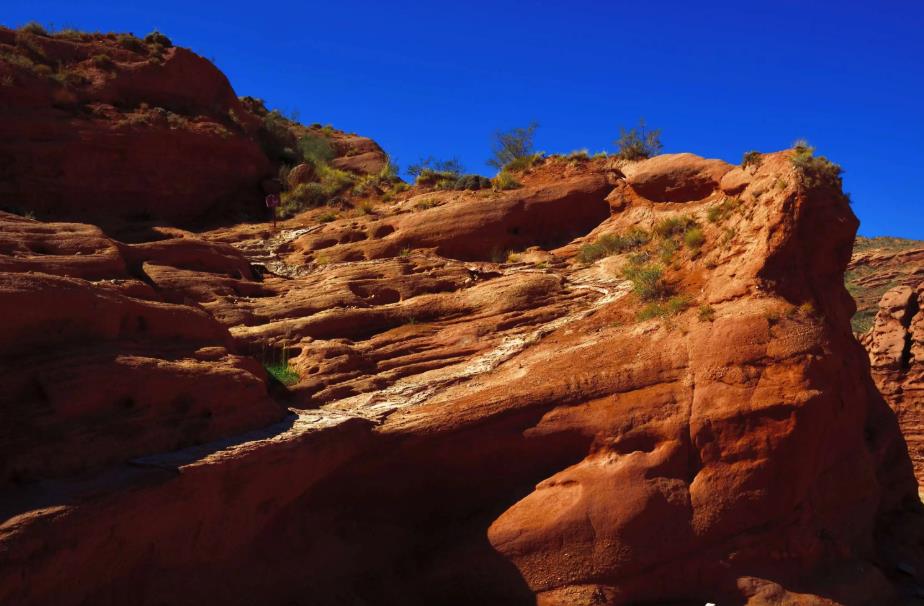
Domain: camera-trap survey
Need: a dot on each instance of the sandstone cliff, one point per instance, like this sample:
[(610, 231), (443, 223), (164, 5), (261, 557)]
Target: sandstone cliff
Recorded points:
[(462, 430), (113, 128), (618, 383), (886, 277)]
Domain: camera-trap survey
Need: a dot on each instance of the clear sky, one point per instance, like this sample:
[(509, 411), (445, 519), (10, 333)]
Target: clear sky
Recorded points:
[(718, 78)]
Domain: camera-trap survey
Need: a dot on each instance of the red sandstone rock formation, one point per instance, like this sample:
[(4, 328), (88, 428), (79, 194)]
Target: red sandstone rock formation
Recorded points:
[(112, 129), (896, 353), (464, 430), (487, 409)]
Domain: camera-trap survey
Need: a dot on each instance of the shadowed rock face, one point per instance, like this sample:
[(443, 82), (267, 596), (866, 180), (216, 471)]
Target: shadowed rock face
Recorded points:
[(97, 127), (478, 417)]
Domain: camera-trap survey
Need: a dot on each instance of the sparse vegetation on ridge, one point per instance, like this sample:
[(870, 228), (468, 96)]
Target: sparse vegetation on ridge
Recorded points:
[(513, 150), (638, 143)]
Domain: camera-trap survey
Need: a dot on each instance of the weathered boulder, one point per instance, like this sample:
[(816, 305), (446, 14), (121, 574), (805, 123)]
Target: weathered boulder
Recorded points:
[(675, 177)]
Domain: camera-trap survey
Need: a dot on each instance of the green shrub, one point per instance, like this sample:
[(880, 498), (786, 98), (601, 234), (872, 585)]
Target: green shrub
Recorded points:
[(673, 226), (33, 27), (816, 171), (611, 244), (666, 249), (664, 309), (525, 163), (282, 372), (69, 33), (647, 281), (157, 38), (315, 150), (472, 182), (694, 238), (512, 145), (426, 203), (590, 252), (580, 155), (638, 144), (720, 212), (451, 166), (706, 313), (132, 43), (276, 139), (752, 158), (505, 180), (327, 217), (102, 61)]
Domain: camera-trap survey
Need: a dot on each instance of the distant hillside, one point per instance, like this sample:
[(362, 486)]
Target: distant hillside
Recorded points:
[(877, 265)]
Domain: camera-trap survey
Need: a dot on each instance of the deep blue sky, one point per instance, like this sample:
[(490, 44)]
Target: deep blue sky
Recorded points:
[(425, 78)]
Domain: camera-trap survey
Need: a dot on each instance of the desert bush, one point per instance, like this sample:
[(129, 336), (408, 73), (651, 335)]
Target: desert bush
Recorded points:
[(647, 280), (472, 182), (706, 313), (638, 143), (816, 171), (157, 38), (611, 244), (752, 158), (425, 204), (673, 226), (505, 180), (327, 217), (694, 238), (276, 140), (102, 61), (315, 150), (664, 309), (511, 146), (578, 156), (33, 27), (720, 212), (451, 166), (132, 43)]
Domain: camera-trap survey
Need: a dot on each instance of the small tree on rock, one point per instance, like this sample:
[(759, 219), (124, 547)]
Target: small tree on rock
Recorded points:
[(638, 143), (512, 145)]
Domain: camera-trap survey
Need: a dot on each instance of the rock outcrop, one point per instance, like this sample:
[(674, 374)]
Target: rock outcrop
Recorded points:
[(896, 352), (113, 129), (476, 417)]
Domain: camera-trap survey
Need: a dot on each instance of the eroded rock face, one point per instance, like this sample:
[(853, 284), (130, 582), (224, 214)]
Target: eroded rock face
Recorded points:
[(896, 352), (98, 366), (111, 129), (465, 428)]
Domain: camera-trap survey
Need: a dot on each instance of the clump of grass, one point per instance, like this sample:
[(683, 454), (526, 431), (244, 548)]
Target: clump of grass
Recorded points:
[(425, 204), (611, 244), (720, 212), (102, 61), (277, 366), (132, 43), (694, 238), (752, 158), (505, 180), (157, 38), (33, 27), (315, 150), (664, 309), (647, 279), (666, 249), (673, 226), (327, 217), (706, 313), (581, 155)]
